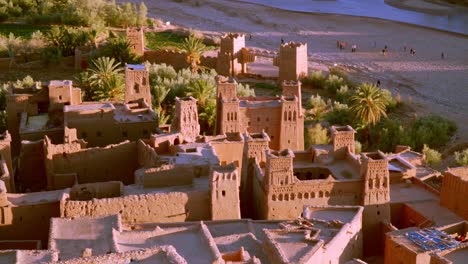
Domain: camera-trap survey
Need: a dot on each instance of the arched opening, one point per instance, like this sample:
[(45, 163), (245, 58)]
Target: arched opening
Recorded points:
[(280, 197), (320, 194), (176, 141), (273, 197)]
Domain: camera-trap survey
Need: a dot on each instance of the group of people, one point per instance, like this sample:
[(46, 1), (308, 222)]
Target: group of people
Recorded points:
[(342, 45)]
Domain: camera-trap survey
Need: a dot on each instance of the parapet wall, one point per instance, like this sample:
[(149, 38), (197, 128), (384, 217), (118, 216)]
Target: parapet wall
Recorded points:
[(176, 59), (144, 208), (286, 202), (111, 163)]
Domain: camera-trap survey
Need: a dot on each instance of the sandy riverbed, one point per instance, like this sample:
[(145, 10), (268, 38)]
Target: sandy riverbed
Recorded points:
[(431, 83)]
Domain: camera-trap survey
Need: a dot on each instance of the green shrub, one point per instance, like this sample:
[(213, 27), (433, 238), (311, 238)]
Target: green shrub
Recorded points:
[(387, 134), (340, 115), (266, 86), (357, 147), (343, 94), (390, 102), (433, 157), (316, 79), (316, 135), (461, 157), (433, 130), (244, 90), (333, 83)]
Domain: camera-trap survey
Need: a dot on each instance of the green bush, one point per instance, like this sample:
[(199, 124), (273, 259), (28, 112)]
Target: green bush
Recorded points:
[(316, 135), (461, 157), (387, 134), (333, 83), (316, 79), (119, 49), (343, 94), (390, 102), (433, 130), (433, 157), (357, 147), (340, 115), (244, 90)]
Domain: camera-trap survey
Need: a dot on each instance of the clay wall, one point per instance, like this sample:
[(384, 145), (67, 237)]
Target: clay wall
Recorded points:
[(136, 39), (99, 190), (396, 252), (292, 125), (410, 217), (147, 156), (167, 176), (454, 190), (60, 94), (260, 198), (137, 84), (5, 150), (101, 129), (229, 152), (224, 191), (292, 61), (31, 168), (258, 119), (176, 59), (144, 208), (28, 222), (112, 163), (286, 202), (185, 120), (347, 243), (230, 117), (163, 143)]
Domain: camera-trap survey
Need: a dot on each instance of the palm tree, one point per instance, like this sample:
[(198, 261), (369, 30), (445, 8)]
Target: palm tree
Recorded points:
[(194, 48), (368, 104), (201, 90), (106, 79), (208, 116)]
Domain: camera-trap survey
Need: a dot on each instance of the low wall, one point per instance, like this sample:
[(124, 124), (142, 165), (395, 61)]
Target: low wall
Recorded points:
[(286, 202), (144, 208), (176, 59), (166, 176), (28, 222)]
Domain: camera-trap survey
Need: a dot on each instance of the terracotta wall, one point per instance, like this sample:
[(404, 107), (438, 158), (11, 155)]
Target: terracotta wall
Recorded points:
[(453, 193), (28, 222), (176, 59), (166, 176), (31, 170), (286, 202), (145, 208), (112, 163)]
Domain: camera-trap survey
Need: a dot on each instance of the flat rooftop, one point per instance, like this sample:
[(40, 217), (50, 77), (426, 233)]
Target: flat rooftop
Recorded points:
[(199, 242), (459, 256), (35, 123), (88, 107), (260, 104)]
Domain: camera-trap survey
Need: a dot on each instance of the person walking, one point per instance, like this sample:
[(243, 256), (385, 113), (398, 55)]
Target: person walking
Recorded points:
[(442, 56), (250, 36), (378, 83), (282, 41)]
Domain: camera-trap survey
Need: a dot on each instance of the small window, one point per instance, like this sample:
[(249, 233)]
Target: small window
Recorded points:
[(223, 193), (60, 97), (136, 88)]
